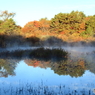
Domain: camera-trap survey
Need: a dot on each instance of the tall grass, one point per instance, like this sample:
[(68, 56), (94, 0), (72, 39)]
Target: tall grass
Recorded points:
[(41, 89)]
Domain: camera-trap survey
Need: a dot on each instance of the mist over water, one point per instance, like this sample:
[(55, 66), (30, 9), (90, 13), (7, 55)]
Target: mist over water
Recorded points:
[(20, 43), (81, 49), (70, 49)]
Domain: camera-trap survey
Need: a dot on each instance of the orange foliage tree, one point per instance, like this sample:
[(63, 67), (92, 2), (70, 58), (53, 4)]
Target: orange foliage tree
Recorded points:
[(31, 27), (44, 24)]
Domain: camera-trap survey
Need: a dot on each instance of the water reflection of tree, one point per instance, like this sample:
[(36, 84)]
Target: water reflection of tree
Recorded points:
[(37, 63), (63, 63), (90, 62), (74, 67), (7, 67), (87, 59), (69, 68)]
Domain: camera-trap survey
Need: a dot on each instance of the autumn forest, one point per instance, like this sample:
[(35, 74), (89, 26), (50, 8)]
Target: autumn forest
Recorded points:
[(69, 27)]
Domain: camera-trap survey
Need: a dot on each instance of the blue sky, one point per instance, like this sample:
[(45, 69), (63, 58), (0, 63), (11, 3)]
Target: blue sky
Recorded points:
[(30, 10)]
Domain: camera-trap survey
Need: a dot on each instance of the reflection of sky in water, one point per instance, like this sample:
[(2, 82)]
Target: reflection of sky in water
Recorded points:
[(25, 73)]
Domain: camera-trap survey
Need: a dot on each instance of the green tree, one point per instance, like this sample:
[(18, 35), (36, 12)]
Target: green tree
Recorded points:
[(5, 15), (7, 24), (67, 21), (90, 25), (88, 32)]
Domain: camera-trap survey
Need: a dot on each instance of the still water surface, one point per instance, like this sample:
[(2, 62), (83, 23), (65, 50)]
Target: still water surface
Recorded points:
[(74, 75)]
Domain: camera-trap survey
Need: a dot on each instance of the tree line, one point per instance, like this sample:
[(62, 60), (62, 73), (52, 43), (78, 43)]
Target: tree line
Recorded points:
[(75, 26)]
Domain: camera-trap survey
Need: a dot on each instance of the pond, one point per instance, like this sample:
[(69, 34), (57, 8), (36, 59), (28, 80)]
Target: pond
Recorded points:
[(47, 71)]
